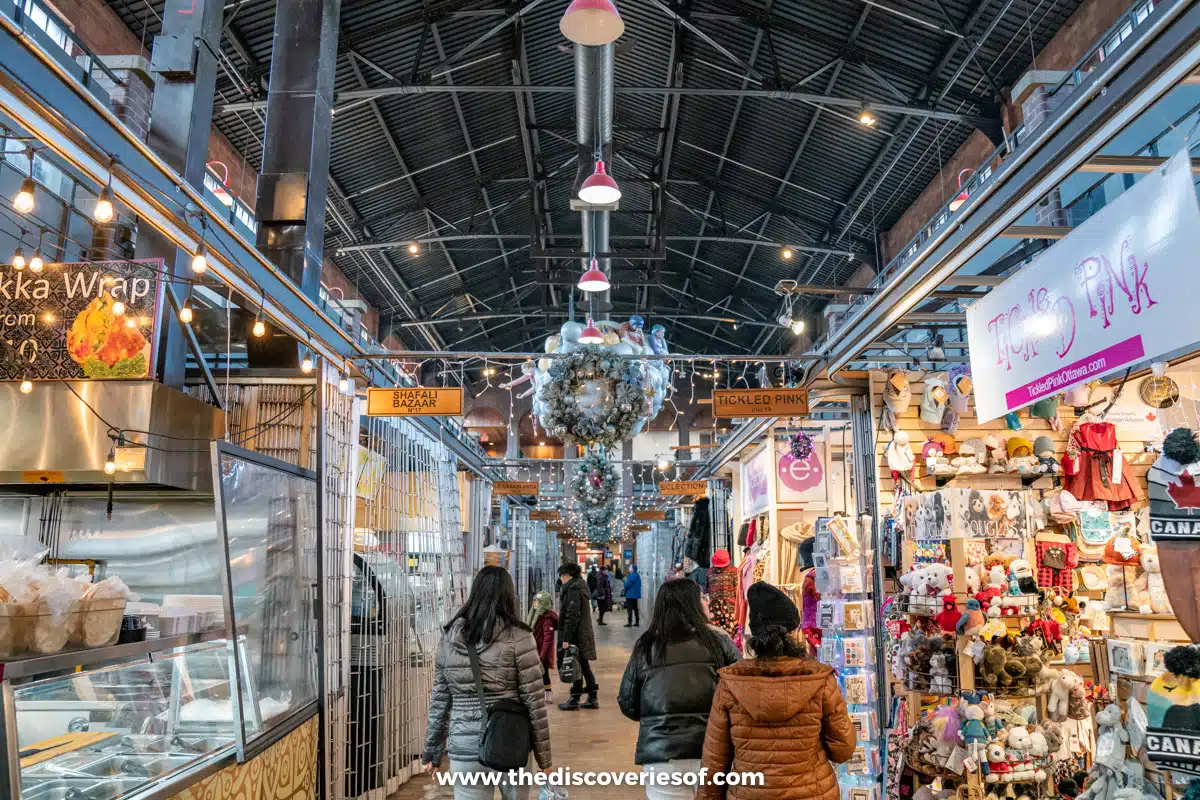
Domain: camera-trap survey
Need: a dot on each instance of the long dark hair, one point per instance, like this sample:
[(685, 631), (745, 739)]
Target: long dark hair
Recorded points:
[(493, 600), (677, 617), (773, 641)]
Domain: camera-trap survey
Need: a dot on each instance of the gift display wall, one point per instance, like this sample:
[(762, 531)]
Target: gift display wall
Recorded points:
[(992, 671)]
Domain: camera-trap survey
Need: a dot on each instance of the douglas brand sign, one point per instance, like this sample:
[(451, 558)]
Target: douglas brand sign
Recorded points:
[(80, 320), (1114, 292)]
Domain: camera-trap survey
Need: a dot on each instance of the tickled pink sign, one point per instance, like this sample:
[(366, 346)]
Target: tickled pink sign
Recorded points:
[(1114, 292)]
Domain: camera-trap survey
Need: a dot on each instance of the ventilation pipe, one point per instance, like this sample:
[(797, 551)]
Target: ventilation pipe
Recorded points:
[(593, 133)]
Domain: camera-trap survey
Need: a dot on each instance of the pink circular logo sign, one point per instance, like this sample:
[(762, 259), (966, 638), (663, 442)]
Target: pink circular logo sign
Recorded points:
[(801, 475)]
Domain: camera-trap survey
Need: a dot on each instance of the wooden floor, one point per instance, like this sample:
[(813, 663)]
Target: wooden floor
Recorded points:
[(582, 740)]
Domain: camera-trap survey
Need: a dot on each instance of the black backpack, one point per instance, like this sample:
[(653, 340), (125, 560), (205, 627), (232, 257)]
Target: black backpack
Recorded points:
[(507, 736)]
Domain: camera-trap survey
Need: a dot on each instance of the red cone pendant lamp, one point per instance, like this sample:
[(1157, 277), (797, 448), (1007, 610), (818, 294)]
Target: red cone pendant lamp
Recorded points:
[(591, 334), (593, 280), (600, 189), (591, 22), (963, 195)]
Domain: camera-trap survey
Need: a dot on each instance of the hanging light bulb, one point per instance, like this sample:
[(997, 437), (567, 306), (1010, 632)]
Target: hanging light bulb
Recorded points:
[(591, 334), (26, 385), (18, 259), (306, 366), (797, 326), (414, 249), (591, 22), (24, 201), (600, 189), (866, 116), (663, 463), (343, 384), (118, 308), (185, 314), (200, 258), (786, 254), (104, 205), (36, 263), (260, 328), (110, 462), (594, 280)]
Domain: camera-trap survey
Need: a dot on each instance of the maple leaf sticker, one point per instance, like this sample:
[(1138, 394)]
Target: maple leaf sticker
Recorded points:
[(1150, 417), (1185, 493)]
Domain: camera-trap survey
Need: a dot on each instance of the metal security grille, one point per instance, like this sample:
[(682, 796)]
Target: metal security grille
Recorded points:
[(479, 515), (655, 557), (339, 414), (522, 553), (718, 493), (409, 578)]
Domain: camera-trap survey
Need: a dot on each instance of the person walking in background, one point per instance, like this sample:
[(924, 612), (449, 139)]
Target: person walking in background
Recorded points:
[(604, 593), (509, 668), (592, 581), (669, 683), (779, 713), (544, 623), (575, 628), (618, 581), (633, 593)]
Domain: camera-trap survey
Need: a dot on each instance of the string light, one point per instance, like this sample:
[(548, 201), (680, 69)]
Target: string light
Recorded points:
[(185, 309), (797, 326), (786, 254), (414, 249), (26, 384), (118, 308), (104, 203), (36, 263), (18, 259), (110, 463), (200, 258), (306, 366), (344, 384), (24, 201), (866, 116), (260, 328)]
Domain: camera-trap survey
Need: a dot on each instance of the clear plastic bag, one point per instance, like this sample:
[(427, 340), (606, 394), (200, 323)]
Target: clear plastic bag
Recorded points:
[(552, 793)]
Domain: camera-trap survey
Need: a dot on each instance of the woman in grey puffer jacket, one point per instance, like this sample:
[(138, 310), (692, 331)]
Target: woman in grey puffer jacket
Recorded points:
[(510, 667)]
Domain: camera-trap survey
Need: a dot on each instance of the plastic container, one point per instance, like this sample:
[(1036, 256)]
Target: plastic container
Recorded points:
[(48, 633), (97, 622), (177, 622), (15, 623), (133, 629)]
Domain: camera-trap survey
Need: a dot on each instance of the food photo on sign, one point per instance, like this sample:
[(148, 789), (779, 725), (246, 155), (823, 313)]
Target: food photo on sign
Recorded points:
[(94, 320)]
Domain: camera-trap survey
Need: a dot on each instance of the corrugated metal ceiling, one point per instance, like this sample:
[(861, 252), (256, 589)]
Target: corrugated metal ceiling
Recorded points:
[(889, 48)]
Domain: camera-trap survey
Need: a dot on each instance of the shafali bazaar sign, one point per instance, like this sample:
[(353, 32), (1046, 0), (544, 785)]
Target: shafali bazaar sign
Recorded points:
[(80, 320), (1117, 290), (760, 402), (415, 402)]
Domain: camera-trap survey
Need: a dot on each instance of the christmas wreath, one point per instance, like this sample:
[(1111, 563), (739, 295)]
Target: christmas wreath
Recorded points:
[(593, 397), (596, 482)]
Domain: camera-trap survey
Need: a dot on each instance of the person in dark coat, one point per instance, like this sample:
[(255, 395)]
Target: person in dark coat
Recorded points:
[(575, 628), (633, 593), (670, 681), (592, 581), (698, 545), (604, 594)]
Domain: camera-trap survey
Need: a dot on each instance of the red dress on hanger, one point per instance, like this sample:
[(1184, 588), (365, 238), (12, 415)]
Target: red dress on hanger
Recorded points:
[(1096, 442)]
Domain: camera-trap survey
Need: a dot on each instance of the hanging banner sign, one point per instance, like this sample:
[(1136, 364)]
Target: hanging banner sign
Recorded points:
[(649, 516), (552, 516), (636, 529), (515, 487), (760, 402), (682, 488), (1117, 290), (556, 526), (97, 319), (415, 402)]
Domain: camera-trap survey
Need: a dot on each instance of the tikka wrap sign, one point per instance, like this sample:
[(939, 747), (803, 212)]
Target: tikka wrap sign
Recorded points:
[(80, 320)]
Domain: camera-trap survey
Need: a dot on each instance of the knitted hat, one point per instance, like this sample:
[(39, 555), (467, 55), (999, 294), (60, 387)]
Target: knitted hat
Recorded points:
[(1043, 444), (1018, 446), (930, 448), (769, 607), (1046, 408), (1064, 508), (720, 558), (980, 447), (950, 418), (899, 453), (933, 400), (897, 394), (949, 445), (960, 387), (1123, 551)]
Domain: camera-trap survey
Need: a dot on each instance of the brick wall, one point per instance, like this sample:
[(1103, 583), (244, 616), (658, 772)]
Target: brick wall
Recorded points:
[(1073, 40), (943, 187), (104, 34)]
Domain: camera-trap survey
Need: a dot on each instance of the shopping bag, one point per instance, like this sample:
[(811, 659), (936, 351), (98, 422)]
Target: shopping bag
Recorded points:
[(568, 667)]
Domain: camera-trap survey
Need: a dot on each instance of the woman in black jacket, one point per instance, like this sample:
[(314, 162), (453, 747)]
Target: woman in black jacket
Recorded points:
[(669, 684)]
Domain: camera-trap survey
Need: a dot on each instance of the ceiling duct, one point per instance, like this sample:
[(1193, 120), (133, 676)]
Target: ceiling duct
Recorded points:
[(593, 133)]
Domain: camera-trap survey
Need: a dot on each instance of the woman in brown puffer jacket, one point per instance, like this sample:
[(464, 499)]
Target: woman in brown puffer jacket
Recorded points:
[(779, 713), (509, 667)]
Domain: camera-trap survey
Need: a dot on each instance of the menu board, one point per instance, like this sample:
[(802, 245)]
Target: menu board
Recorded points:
[(94, 319)]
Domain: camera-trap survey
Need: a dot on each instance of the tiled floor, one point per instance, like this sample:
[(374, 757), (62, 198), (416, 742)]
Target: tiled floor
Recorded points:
[(582, 740)]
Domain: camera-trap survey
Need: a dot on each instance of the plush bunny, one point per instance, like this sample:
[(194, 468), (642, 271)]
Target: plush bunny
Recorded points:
[(1159, 603), (1060, 695)]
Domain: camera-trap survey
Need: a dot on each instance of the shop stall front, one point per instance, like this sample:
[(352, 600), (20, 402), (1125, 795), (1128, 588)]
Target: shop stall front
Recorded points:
[(159, 605)]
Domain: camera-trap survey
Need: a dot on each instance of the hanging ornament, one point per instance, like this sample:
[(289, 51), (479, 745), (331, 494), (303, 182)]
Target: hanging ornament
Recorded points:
[(800, 445)]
